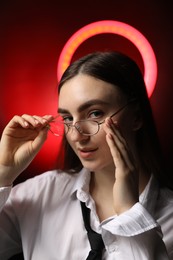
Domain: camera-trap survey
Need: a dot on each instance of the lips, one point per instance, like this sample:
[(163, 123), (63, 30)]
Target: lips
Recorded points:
[(87, 152)]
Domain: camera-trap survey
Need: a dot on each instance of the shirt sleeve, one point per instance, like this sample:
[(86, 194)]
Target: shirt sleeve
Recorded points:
[(134, 235), (10, 243), (4, 194)]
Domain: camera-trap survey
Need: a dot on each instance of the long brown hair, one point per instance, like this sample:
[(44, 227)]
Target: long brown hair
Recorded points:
[(119, 70)]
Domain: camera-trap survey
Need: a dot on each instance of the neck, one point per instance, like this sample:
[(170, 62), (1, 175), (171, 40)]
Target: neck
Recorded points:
[(102, 180), (101, 190)]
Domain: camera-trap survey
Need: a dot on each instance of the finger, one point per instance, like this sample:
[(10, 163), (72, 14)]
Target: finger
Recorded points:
[(31, 120), (43, 120), (112, 129), (115, 151), (120, 155), (122, 143), (49, 117), (39, 140), (16, 121), (119, 148), (37, 121), (115, 128)]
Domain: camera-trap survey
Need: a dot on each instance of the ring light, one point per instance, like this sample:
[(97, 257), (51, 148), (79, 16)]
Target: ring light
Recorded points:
[(119, 28)]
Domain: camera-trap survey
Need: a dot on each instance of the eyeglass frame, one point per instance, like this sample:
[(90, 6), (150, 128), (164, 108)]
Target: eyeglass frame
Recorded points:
[(78, 128)]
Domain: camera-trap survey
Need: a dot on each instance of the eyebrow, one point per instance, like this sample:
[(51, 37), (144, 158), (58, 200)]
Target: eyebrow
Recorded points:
[(85, 105)]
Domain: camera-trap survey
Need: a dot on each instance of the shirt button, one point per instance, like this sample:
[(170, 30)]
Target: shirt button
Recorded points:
[(112, 248)]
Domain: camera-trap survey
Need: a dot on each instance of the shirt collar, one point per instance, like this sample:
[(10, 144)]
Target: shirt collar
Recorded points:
[(147, 198), (81, 186)]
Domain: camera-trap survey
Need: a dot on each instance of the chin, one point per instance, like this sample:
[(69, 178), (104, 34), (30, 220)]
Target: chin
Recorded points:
[(93, 166)]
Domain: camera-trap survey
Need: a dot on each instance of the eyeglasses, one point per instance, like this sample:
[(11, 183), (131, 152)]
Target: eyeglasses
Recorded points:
[(85, 127)]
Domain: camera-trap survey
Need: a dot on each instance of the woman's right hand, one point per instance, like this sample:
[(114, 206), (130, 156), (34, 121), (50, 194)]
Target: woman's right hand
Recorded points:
[(21, 140)]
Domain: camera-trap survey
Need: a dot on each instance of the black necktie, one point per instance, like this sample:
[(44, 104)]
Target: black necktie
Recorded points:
[(95, 239)]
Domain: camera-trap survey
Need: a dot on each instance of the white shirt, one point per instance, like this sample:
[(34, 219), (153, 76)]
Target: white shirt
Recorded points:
[(43, 216)]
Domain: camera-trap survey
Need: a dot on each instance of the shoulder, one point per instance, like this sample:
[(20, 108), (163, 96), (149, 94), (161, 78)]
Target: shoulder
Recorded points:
[(166, 195), (165, 215), (46, 184), (164, 207)]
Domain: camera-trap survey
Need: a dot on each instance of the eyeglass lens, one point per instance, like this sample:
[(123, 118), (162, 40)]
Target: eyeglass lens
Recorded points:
[(87, 127), (58, 128)]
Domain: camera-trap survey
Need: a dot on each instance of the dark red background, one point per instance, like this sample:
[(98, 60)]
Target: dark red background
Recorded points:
[(32, 35)]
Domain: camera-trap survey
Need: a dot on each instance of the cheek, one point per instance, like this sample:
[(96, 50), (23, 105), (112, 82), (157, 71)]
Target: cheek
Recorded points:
[(68, 140), (100, 141), (126, 129), (125, 121)]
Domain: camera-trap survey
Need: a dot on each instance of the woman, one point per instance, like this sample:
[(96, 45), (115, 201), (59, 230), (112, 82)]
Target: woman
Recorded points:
[(112, 166)]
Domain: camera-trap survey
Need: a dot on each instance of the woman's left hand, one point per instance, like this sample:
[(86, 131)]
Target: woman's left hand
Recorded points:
[(126, 186)]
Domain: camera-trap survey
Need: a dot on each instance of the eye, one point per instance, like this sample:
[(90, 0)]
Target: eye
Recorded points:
[(67, 119), (96, 114)]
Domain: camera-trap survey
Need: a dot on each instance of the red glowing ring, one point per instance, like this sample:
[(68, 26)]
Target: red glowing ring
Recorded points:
[(115, 27)]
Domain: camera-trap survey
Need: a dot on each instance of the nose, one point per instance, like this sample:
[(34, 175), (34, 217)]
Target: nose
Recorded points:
[(75, 133)]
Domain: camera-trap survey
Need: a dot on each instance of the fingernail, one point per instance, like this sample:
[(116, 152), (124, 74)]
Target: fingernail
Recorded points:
[(44, 121), (108, 122), (37, 122), (26, 123)]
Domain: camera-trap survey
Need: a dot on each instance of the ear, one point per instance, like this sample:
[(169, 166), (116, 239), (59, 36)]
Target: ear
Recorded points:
[(137, 121)]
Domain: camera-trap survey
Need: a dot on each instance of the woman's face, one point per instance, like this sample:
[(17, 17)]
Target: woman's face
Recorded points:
[(85, 97)]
